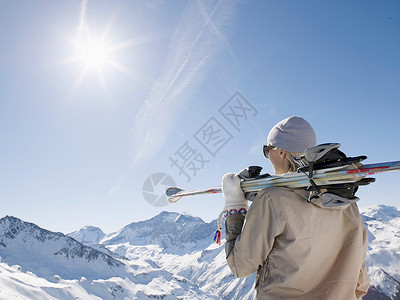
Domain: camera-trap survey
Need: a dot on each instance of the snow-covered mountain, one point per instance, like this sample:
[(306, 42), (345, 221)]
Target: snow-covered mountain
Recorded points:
[(40, 264), (182, 245), (383, 257), (173, 232), (170, 256), (88, 235)]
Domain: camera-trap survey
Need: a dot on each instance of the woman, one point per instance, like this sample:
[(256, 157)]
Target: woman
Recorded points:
[(300, 250)]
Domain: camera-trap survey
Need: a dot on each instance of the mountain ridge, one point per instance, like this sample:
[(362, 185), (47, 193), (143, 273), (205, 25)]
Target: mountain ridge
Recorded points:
[(168, 256)]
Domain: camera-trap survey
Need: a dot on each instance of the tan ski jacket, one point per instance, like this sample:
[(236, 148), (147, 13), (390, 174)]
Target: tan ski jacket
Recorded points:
[(300, 250)]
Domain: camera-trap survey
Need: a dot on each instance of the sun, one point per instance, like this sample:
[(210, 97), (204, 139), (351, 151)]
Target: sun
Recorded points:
[(98, 54), (93, 54)]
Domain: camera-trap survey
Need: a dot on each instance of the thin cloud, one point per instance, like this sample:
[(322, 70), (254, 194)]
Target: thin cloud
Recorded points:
[(197, 39), (81, 25)]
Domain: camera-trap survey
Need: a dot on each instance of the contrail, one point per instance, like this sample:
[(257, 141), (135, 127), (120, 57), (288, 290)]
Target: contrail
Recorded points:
[(196, 41), (81, 25)]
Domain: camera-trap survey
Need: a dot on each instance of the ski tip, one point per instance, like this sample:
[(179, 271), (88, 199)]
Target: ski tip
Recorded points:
[(172, 191), (174, 199)]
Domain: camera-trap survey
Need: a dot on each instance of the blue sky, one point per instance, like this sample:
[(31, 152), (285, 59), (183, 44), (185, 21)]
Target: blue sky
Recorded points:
[(82, 130)]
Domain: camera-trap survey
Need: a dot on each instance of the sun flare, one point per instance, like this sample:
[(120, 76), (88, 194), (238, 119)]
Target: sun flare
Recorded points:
[(97, 54), (93, 54)]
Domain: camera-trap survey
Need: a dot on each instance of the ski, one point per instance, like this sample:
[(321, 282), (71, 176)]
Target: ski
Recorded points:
[(322, 177)]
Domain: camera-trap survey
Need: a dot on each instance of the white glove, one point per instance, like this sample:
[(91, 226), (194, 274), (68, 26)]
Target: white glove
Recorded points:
[(235, 201)]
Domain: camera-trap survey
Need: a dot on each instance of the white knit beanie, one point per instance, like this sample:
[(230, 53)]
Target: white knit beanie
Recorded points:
[(293, 134)]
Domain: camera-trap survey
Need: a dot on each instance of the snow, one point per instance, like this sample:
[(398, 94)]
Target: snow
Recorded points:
[(55, 266), (386, 283), (88, 235), (170, 256), (383, 257)]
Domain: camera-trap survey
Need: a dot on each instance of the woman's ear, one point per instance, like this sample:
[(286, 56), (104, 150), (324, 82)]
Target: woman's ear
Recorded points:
[(282, 153)]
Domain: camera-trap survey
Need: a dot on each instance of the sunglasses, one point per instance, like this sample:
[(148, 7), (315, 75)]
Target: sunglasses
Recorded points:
[(266, 149)]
